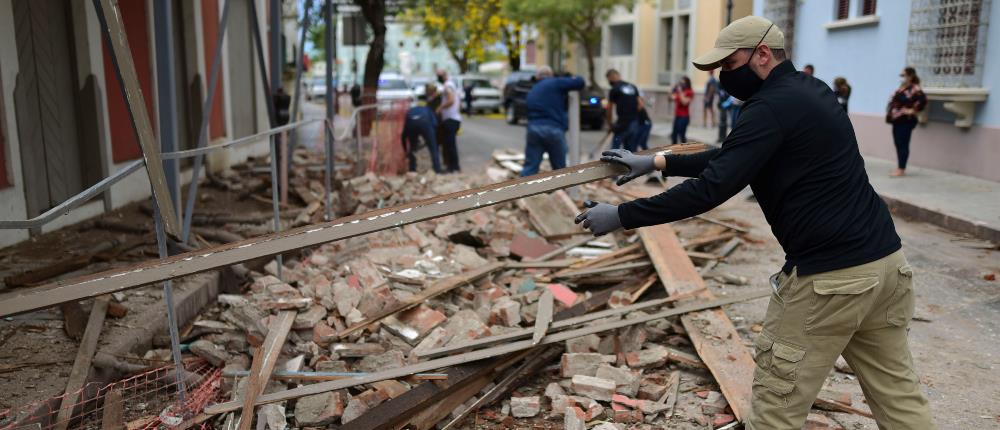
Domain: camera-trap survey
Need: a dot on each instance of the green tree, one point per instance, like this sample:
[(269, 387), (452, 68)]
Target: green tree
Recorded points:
[(580, 21), (467, 29)]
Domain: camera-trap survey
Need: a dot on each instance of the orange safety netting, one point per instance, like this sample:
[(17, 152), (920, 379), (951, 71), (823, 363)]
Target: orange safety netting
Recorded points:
[(387, 154), (148, 400)]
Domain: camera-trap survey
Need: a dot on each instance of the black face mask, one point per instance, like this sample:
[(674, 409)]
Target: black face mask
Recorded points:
[(742, 82), (441, 79)]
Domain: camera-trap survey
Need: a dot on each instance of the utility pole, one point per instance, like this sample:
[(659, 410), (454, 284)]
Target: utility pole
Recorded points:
[(330, 52)]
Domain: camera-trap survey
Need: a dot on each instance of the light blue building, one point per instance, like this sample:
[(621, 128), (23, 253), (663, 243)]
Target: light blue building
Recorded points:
[(951, 44)]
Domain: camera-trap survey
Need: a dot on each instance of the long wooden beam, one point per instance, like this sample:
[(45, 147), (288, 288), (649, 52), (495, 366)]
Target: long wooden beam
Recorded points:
[(426, 366), (339, 229)]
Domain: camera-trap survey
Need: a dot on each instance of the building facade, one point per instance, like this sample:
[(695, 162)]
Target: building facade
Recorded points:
[(954, 46), (64, 124)]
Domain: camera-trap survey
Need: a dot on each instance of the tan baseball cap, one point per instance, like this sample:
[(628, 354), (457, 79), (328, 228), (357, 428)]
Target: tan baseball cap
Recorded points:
[(746, 32)]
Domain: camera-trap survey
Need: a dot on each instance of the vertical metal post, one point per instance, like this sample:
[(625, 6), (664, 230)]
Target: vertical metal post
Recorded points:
[(271, 115), (574, 128), (168, 300), (275, 205), (206, 112), (293, 135), (276, 48), (166, 90), (331, 91)]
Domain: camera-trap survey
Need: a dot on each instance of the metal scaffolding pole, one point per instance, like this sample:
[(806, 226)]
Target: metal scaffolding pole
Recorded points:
[(272, 116), (330, 52), (293, 136), (166, 92), (206, 112)]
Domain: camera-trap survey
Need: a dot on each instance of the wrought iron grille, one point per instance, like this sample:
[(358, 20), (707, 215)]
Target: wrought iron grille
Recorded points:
[(947, 41)]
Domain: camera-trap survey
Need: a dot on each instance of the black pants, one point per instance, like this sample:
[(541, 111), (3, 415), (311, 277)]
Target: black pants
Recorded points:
[(901, 133), (449, 147), (413, 131)]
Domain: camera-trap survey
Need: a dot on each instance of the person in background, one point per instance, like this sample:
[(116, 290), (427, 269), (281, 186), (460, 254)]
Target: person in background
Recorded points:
[(421, 123), (645, 127), (451, 121), (735, 106), (547, 120), (467, 87), (708, 108), (624, 102), (724, 105), (682, 96), (809, 70), (842, 90), (906, 102)]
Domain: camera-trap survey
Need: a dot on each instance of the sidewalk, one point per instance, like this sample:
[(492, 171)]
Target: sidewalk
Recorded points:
[(963, 204), (960, 203)]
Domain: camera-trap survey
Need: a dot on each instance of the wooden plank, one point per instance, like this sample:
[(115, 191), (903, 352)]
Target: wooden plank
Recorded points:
[(264, 358), (378, 220), (543, 317), (551, 213), (711, 331), (724, 252), (254, 386), (438, 288), (562, 249), (121, 57), (113, 414), (482, 354), (702, 241), (81, 365), (605, 269), (534, 264)]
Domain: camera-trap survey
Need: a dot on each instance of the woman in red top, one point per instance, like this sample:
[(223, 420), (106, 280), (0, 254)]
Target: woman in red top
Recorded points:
[(906, 102), (682, 95)]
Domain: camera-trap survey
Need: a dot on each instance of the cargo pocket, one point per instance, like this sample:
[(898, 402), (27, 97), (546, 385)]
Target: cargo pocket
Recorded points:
[(785, 360), (901, 304), (762, 347), (776, 364), (836, 309)]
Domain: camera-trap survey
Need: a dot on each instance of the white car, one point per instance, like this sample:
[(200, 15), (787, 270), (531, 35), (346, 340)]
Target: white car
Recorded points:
[(393, 87), (485, 97), (315, 87)]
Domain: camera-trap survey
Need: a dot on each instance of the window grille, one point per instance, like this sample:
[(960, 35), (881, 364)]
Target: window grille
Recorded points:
[(868, 7), (947, 41), (843, 9)]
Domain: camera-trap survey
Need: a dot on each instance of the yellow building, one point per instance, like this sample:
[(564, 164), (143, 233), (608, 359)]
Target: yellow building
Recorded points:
[(652, 46)]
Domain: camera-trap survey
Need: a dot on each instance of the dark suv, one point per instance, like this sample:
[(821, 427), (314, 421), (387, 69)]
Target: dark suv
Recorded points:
[(516, 93)]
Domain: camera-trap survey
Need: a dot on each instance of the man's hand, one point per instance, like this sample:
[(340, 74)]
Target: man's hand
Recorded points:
[(600, 218), (638, 165)]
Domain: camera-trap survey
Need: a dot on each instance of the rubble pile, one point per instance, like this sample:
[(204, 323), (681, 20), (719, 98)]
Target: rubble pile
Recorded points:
[(398, 297)]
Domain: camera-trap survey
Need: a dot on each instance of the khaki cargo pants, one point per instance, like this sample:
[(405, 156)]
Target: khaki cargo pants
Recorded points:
[(860, 312)]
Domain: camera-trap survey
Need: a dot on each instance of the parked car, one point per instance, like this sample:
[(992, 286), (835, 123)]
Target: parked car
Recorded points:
[(419, 85), (591, 104), (511, 82), (316, 87), (485, 97), (393, 87)]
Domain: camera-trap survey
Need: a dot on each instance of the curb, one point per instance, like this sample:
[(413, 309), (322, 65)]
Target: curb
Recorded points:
[(913, 212)]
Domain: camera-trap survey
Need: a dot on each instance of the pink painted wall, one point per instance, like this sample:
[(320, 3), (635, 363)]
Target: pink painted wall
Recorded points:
[(935, 145)]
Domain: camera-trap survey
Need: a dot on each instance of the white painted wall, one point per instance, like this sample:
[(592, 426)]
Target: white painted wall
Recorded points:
[(12, 203)]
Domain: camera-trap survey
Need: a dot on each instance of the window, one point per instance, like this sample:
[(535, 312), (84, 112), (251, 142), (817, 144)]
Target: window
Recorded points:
[(867, 7), (843, 9), (947, 41), (621, 39), (674, 42)]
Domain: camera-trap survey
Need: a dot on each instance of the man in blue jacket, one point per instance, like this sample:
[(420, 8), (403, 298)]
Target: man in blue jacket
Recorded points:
[(421, 123), (548, 120)]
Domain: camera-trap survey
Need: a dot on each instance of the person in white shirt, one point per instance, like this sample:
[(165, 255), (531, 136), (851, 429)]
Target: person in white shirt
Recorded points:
[(451, 121)]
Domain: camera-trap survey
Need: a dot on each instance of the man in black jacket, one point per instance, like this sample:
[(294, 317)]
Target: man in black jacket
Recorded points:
[(845, 288)]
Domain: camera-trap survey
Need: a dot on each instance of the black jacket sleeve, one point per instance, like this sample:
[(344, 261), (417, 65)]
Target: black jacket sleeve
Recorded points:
[(688, 165), (751, 144)]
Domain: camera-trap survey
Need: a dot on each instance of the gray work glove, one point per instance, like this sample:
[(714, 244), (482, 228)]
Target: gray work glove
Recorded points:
[(638, 165), (600, 218)]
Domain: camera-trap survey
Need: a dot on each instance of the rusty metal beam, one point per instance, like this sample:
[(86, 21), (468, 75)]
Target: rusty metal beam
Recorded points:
[(339, 229), (121, 56)]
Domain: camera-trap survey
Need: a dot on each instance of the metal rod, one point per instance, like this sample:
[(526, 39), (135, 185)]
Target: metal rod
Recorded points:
[(293, 138), (253, 138), (275, 205), (121, 57), (206, 113), (331, 91), (382, 219), (166, 95), (75, 201), (269, 102), (168, 300)]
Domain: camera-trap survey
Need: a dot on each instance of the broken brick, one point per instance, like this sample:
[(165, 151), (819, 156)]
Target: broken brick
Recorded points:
[(212, 353), (309, 318), (593, 387), (583, 363), (575, 419), (563, 294), (719, 420), (346, 297), (356, 350), (523, 407), (524, 246), (626, 381), (320, 410), (621, 414), (391, 387), (413, 324), (714, 403), (392, 359), (655, 356), (619, 299), (506, 312), (819, 422), (323, 334), (588, 343)]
